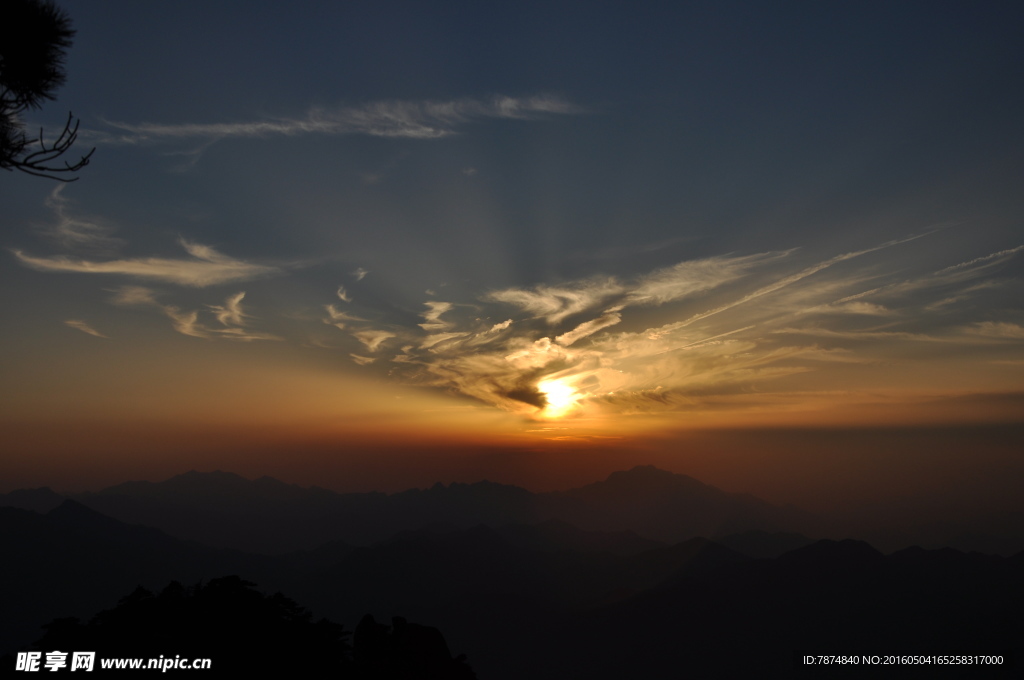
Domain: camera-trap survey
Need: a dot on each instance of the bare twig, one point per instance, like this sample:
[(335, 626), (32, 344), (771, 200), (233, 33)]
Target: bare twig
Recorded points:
[(38, 162)]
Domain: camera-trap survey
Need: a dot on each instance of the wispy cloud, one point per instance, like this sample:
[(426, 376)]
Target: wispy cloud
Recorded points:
[(767, 319), (373, 339), (134, 295), (860, 335), (76, 231), (683, 280), (796, 278), (230, 315), (432, 316), (208, 267), (555, 303), (84, 327), (979, 262), (338, 318), (999, 329), (408, 119), (244, 334), (186, 323), (964, 273), (865, 308), (692, 277), (588, 328)]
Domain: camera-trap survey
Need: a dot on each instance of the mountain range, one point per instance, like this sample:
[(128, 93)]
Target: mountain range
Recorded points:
[(266, 515), (608, 580)]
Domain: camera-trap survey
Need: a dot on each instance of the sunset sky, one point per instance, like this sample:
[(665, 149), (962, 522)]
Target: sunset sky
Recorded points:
[(324, 241)]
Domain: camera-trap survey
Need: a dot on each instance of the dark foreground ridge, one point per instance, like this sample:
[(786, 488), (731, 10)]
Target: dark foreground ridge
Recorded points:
[(245, 633)]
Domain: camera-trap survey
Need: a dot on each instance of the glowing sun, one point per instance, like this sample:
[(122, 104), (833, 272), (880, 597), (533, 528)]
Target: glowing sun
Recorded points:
[(560, 397)]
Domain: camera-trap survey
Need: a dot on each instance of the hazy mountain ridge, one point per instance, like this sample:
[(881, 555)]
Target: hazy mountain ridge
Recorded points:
[(671, 507), (266, 515), (554, 597), (269, 516), (42, 499)]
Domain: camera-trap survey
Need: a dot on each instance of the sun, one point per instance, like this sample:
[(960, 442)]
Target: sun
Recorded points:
[(560, 396)]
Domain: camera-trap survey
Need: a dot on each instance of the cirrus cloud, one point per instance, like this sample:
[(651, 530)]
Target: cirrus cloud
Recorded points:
[(404, 119), (789, 321), (208, 267)]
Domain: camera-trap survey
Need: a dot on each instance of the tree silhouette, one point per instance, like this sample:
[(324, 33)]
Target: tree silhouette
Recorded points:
[(243, 631), (405, 651), (34, 36), (247, 633)]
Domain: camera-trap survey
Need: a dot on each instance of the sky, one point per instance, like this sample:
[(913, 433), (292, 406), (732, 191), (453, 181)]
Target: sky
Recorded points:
[(381, 244)]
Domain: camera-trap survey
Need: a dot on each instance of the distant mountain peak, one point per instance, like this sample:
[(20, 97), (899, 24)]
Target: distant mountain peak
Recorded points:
[(71, 512), (650, 472), (267, 480), (848, 551), (40, 500), (70, 507), (218, 475), (644, 469), (646, 479)]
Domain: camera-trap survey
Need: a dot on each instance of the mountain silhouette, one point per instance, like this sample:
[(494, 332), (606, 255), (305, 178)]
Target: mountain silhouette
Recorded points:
[(556, 535), (269, 516), (763, 544), (547, 599), (42, 499), (669, 507)]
